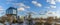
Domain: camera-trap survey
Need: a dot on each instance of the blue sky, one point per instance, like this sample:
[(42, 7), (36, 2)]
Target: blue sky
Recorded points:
[(39, 7)]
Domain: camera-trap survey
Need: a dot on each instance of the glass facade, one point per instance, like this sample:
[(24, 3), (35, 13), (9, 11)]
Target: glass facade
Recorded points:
[(11, 10)]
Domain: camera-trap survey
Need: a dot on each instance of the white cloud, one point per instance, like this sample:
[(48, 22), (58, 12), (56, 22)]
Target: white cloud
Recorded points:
[(48, 0), (1, 8), (21, 6), (42, 12), (10, 1), (52, 6), (51, 2), (36, 3), (21, 9), (47, 7), (58, 0), (50, 13), (1, 11), (27, 6)]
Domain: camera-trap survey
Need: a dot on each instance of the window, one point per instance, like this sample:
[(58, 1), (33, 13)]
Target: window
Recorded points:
[(14, 11)]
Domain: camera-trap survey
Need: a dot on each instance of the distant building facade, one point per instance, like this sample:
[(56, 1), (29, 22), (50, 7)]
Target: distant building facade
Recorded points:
[(11, 11)]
